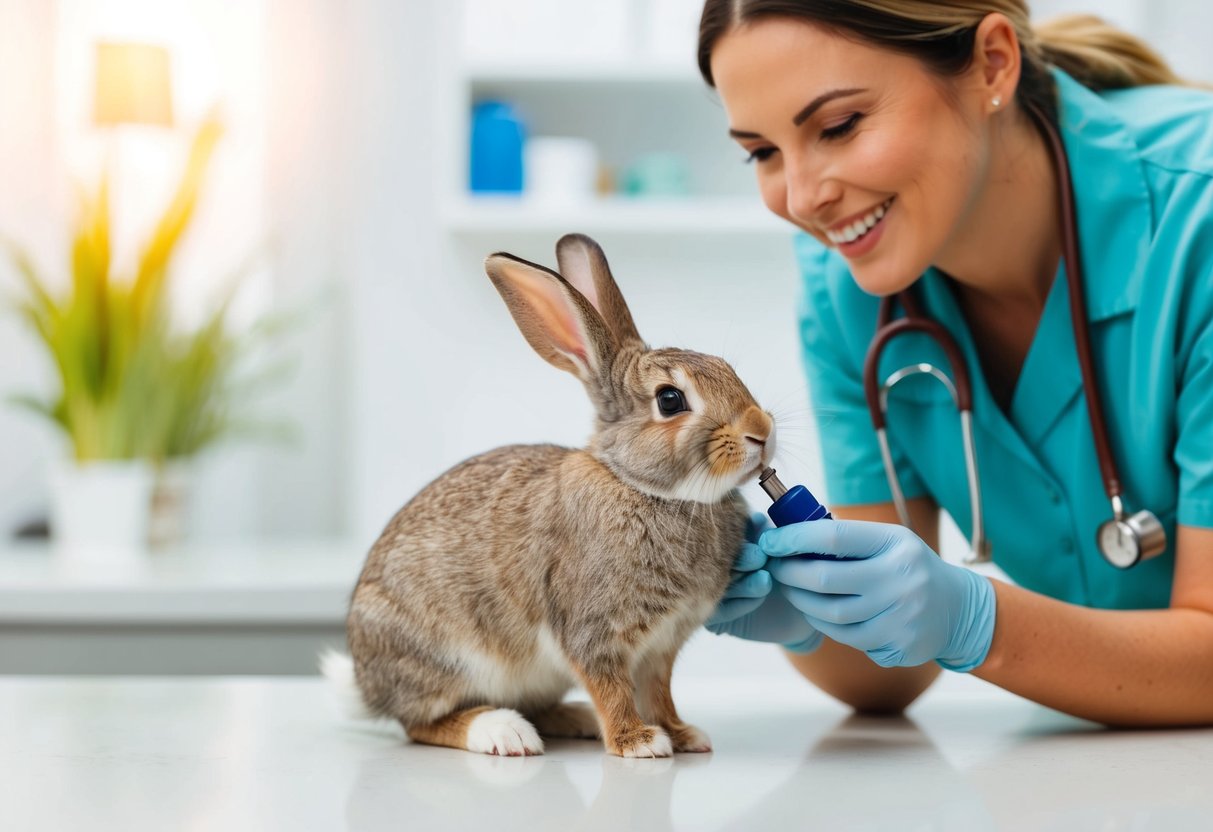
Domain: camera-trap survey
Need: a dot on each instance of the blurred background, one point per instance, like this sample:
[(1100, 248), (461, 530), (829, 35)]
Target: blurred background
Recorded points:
[(282, 208)]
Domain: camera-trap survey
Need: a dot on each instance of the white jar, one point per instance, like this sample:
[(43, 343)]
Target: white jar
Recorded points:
[(559, 170)]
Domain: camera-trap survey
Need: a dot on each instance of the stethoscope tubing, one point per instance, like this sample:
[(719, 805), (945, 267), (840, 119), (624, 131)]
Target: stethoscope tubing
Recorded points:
[(1078, 312)]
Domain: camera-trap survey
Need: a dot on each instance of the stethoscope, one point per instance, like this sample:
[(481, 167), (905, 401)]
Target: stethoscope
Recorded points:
[(1125, 539)]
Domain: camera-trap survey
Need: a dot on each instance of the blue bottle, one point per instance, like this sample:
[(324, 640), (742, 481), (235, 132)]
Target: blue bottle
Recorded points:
[(496, 144), (792, 505)]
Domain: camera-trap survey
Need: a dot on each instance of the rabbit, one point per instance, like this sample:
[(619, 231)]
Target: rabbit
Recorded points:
[(525, 571)]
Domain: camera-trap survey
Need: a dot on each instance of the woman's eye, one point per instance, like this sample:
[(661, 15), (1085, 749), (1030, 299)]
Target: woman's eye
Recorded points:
[(828, 133), (841, 130), (670, 401), (759, 155)]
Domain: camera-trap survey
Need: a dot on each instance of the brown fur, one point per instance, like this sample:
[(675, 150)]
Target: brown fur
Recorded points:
[(568, 719), (528, 569), (451, 730)]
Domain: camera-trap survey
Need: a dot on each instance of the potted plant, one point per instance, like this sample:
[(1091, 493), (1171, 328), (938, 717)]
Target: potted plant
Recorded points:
[(135, 392)]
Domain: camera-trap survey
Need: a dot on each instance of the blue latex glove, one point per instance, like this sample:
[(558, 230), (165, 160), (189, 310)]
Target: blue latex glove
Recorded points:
[(751, 611), (880, 589)]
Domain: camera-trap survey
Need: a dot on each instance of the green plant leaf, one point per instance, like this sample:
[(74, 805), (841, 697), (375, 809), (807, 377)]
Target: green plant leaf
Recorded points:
[(132, 383), (40, 299), (49, 410), (153, 265)]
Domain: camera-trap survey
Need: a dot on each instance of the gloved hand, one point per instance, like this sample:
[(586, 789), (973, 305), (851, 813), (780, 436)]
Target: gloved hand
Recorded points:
[(751, 611), (880, 589)]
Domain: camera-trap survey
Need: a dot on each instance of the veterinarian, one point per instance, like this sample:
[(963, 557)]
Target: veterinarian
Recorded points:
[(928, 151)]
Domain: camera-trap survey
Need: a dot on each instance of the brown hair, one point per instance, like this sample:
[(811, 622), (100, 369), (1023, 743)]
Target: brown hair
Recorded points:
[(941, 35)]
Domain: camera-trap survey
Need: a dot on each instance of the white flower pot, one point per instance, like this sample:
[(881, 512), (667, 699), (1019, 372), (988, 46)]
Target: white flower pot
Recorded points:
[(100, 510)]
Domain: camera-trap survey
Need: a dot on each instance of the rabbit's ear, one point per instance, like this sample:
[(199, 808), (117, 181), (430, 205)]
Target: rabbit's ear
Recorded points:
[(583, 265), (556, 320)]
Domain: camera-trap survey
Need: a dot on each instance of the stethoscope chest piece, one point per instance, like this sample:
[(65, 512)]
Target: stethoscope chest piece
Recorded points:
[(1126, 541)]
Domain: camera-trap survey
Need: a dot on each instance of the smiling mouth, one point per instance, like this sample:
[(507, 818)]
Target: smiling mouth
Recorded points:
[(860, 227)]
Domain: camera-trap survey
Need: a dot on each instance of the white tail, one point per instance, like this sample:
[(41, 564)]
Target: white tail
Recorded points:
[(338, 668)]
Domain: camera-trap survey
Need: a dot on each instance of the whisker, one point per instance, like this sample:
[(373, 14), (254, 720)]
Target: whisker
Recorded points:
[(798, 395), (786, 412)]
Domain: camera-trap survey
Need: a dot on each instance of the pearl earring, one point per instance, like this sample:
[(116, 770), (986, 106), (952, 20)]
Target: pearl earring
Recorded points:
[(996, 101)]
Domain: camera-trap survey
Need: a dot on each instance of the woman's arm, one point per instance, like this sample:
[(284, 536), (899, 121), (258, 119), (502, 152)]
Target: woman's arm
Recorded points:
[(848, 674), (1129, 668)]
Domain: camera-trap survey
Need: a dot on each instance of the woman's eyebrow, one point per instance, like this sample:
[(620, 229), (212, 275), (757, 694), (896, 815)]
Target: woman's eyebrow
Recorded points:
[(812, 107), (804, 115)]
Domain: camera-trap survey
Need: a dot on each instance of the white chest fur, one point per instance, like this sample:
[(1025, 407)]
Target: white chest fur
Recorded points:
[(543, 679)]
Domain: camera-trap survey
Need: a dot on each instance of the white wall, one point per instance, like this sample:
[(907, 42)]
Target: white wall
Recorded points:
[(301, 489), (400, 294), (31, 191)]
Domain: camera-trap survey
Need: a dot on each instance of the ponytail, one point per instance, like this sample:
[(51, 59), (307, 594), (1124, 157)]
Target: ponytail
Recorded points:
[(1100, 56)]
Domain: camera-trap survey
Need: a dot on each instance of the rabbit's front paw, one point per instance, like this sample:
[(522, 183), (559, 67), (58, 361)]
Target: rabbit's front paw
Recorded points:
[(646, 741), (689, 738), (504, 732)]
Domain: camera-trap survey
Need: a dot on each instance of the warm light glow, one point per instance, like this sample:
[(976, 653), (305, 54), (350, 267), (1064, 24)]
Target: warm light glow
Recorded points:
[(133, 85), (216, 54)]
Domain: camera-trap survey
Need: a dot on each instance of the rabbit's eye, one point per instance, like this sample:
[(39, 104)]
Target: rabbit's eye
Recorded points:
[(670, 401)]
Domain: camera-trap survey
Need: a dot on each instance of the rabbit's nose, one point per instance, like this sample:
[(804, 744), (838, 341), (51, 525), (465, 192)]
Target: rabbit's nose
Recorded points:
[(755, 425)]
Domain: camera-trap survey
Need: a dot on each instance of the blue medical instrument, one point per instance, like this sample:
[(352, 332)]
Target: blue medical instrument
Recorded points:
[(791, 505), (1125, 539)]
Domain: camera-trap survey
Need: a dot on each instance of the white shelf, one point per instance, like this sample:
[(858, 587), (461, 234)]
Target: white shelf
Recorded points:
[(638, 215), (267, 582)]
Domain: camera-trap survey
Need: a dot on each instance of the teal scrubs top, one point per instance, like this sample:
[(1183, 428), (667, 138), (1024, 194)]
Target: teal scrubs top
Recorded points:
[(1142, 170)]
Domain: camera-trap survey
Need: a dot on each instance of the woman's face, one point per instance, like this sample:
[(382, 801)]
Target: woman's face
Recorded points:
[(856, 145)]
